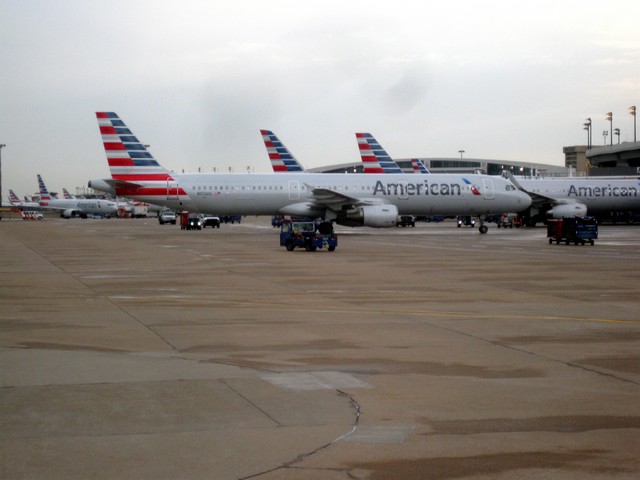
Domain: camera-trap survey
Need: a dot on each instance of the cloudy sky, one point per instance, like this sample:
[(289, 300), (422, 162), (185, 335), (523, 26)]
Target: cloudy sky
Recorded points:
[(197, 80)]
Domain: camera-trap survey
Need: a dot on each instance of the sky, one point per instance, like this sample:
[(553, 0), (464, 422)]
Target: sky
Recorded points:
[(197, 80)]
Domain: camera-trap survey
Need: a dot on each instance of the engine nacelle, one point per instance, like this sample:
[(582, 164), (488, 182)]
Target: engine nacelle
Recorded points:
[(302, 210), (377, 216), (72, 213), (568, 210)]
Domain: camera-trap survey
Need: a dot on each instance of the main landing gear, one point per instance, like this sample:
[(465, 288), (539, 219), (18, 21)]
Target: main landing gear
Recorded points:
[(483, 228)]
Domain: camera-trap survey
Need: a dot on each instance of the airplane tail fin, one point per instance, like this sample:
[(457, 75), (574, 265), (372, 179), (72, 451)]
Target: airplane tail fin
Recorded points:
[(374, 158), (44, 193), (66, 195), (129, 160), (13, 198), (418, 166), (281, 158)]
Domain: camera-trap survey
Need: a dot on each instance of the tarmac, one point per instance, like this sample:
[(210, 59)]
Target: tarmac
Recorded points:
[(134, 350)]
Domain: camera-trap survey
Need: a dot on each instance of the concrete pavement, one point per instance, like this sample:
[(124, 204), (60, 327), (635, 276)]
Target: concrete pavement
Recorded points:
[(130, 349)]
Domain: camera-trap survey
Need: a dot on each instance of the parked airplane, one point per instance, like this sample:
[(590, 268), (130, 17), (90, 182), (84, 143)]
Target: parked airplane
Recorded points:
[(14, 201), (66, 195), (76, 207), (578, 196), (281, 158), (353, 200)]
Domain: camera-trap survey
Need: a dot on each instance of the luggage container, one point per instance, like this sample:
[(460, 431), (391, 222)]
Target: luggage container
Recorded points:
[(576, 230)]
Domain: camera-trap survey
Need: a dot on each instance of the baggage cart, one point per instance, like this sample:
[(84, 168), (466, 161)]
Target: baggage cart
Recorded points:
[(576, 230)]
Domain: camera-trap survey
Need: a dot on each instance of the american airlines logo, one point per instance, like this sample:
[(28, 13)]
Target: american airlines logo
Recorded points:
[(411, 189), (606, 191)]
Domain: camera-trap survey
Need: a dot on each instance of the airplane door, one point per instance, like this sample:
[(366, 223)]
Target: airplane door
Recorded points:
[(294, 189), (489, 191), (172, 189)]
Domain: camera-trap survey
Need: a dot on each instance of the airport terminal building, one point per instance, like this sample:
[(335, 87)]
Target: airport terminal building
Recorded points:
[(580, 160), (460, 165)]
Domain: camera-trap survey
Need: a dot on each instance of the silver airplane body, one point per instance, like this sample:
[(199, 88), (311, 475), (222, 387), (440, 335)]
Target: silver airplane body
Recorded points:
[(373, 200), (75, 206), (354, 200), (579, 196)]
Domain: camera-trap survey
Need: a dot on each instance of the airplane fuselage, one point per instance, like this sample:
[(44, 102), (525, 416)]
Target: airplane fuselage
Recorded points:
[(598, 194), (83, 205), (269, 194)]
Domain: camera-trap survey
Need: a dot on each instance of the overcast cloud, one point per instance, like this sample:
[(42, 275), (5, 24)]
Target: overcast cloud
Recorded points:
[(509, 80)]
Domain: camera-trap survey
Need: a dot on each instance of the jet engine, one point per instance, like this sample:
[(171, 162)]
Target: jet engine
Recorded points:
[(377, 216), (568, 210), (72, 213)]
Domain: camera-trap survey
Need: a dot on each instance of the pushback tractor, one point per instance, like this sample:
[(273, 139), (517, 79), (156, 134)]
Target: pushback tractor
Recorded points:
[(308, 235)]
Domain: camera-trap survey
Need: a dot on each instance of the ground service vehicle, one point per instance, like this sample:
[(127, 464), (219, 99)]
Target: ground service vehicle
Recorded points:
[(140, 211), (167, 216), (466, 220), (406, 221), (307, 234), (209, 221), (508, 220), (572, 230), (190, 221), (31, 215)]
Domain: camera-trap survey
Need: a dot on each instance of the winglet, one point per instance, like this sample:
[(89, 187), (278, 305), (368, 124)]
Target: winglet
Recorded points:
[(509, 176)]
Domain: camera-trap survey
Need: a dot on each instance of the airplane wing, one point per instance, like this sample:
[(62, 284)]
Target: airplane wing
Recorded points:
[(325, 198), (555, 207), (538, 200)]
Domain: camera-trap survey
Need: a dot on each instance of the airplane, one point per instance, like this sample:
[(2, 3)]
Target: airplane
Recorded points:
[(281, 158), (577, 196), (373, 200), (66, 195), (15, 202), (76, 207)]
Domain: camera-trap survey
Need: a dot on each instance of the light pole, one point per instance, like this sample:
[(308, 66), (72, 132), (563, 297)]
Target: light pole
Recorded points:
[(616, 131), (461, 152), (610, 118), (587, 127), (604, 134), (2, 145), (633, 112)]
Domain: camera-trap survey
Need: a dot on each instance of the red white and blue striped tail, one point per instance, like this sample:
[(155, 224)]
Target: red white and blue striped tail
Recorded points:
[(418, 166), (281, 158), (136, 173), (13, 198), (66, 195), (374, 158), (128, 159), (44, 193)]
